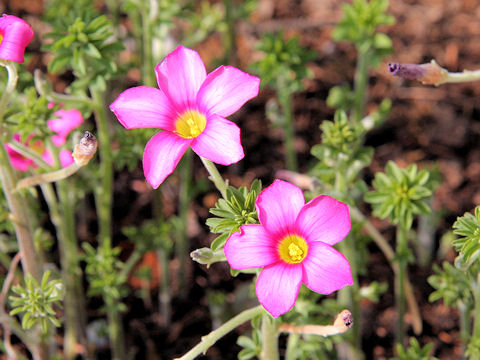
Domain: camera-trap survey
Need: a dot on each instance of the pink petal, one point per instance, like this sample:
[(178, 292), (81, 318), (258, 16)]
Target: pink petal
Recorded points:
[(67, 121), (16, 35), (226, 89), (18, 161), (278, 286), (144, 107), (278, 206), (162, 154), (219, 142), (251, 248), (180, 75), (324, 219), (325, 269), (66, 158), (48, 158)]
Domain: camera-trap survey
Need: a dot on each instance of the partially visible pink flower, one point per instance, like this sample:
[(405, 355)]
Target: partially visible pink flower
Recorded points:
[(17, 160), (293, 244), (15, 35), (67, 121), (190, 107)]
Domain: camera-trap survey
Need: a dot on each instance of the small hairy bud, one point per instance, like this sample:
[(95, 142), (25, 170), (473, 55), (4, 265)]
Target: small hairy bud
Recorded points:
[(429, 74), (85, 149)]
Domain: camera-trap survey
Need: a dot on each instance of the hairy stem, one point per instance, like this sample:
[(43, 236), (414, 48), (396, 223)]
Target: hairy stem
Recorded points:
[(269, 338), (360, 84), (215, 177), (210, 339), (400, 278)]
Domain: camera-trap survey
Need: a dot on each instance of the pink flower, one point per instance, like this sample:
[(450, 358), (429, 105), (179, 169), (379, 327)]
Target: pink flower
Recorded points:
[(293, 244), (15, 34), (190, 107), (67, 121)]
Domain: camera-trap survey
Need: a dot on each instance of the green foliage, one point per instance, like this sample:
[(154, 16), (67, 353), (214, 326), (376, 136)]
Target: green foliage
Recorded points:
[(129, 147), (473, 348), (252, 345), (82, 41), (400, 194), (359, 26), (284, 64), (151, 235), (452, 284), (29, 116), (237, 210), (36, 301), (102, 270), (341, 152), (467, 228), (414, 351)]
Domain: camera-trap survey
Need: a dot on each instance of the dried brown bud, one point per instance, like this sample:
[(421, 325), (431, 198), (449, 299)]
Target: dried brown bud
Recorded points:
[(85, 149), (429, 74)]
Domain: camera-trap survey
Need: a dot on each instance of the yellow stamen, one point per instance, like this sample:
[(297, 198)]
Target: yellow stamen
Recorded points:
[(293, 249), (190, 124)]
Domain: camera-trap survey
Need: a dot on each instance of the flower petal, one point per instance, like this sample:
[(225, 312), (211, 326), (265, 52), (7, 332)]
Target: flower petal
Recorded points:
[(180, 75), (144, 107), (278, 286), (278, 206), (66, 121), (325, 269), (16, 35), (219, 142), (226, 89), (162, 154), (251, 248), (324, 219), (66, 158), (17, 160)]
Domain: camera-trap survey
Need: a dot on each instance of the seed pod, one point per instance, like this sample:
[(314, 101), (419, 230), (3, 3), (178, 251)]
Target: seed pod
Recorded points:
[(85, 149)]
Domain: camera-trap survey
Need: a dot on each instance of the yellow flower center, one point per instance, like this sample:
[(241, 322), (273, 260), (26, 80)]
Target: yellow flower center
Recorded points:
[(293, 249), (190, 124)]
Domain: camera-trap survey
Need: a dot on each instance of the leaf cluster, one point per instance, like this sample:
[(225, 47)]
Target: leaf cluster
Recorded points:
[(29, 116), (452, 284), (359, 26), (252, 345), (400, 194), (284, 65), (341, 150), (414, 351), (102, 270), (83, 41), (36, 301), (467, 228), (151, 235), (236, 210)]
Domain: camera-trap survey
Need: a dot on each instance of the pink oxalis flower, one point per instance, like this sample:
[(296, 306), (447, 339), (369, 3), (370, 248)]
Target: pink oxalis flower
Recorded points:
[(293, 244), (66, 121), (190, 107), (15, 35)]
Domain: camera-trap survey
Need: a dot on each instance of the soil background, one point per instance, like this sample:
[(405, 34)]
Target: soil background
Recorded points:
[(427, 125)]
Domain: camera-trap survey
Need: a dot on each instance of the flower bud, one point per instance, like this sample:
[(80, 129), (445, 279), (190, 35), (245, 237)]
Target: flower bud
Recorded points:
[(85, 149), (429, 74)]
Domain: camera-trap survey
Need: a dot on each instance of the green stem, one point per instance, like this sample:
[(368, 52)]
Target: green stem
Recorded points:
[(292, 346), (103, 193), (15, 201), (215, 177), (464, 312), (465, 76), (476, 321), (285, 100), (130, 263), (229, 39), (269, 338), (210, 339), (164, 297), (181, 245), (400, 276), (115, 332), (147, 61), (360, 85)]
